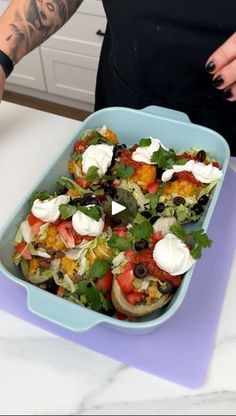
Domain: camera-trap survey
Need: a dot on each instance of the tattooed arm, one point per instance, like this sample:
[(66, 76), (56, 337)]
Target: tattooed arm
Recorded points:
[(27, 23)]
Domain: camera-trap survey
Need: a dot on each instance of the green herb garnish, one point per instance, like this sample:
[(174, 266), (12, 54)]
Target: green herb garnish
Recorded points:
[(92, 173), (165, 159), (38, 195), (88, 293), (195, 239), (123, 171), (119, 243), (141, 230), (67, 211), (99, 268), (145, 142), (93, 211)]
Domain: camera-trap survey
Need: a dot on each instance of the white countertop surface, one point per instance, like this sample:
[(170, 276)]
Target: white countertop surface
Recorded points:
[(43, 374)]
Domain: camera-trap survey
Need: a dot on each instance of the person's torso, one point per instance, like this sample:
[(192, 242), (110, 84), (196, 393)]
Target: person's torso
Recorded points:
[(159, 47)]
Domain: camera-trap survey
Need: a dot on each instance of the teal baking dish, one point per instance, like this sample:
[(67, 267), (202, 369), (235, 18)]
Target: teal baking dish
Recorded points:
[(175, 130)]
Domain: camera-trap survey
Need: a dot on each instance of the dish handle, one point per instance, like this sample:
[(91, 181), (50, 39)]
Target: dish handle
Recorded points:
[(50, 307), (167, 113)]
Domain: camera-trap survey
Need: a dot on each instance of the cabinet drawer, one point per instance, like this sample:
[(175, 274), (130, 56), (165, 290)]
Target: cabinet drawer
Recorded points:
[(79, 34), (29, 72), (70, 75)]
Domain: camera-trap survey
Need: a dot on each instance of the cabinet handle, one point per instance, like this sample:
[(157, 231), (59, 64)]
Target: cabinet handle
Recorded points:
[(100, 33)]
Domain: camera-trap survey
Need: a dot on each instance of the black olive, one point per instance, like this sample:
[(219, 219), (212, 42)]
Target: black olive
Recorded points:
[(118, 149), (179, 200), (203, 200), (159, 172), (165, 287), (141, 245), (52, 286), (198, 209), (160, 207), (140, 271), (201, 156), (89, 199), (146, 214), (108, 190), (153, 219), (62, 190), (76, 201)]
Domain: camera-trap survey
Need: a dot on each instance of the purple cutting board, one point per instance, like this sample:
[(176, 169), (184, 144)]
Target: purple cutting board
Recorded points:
[(180, 349)]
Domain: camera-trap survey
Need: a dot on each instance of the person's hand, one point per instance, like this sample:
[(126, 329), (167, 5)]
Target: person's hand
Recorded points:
[(222, 65), (2, 82)]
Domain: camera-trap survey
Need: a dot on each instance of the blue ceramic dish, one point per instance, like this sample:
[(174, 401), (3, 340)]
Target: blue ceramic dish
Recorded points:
[(176, 131)]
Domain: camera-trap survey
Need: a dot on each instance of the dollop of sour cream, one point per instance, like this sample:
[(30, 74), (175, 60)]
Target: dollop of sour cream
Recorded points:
[(48, 210), (203, 173), (99, 155), (144, 154), (172, 255), (84, 225)]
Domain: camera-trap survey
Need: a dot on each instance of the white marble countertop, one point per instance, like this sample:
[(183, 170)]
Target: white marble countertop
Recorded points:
[(43, 374)]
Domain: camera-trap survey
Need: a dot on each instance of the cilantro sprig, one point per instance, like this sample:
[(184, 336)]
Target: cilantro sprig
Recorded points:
[(38, 195), (145, 142), (88, 293), (119, 243), (93, 211), (123, 171), (195, 239), (99, 268), (92, 173), (165, 159), (67, 211), (141, 228)]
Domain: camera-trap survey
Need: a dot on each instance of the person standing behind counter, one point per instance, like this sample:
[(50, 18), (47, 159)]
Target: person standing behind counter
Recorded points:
[(179, 54)]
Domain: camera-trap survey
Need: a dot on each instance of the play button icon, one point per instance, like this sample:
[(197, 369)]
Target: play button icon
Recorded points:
[(124, 207), (116, 208)]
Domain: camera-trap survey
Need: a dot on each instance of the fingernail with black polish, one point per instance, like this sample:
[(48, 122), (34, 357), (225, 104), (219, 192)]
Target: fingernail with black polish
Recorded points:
[(218, 81), (227, 94), (210, 67)]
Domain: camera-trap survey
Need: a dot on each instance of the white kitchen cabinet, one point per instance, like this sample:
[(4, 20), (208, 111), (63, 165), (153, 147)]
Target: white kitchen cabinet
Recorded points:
[(29, 72), (70, 75), (64, 68), (71, 56)]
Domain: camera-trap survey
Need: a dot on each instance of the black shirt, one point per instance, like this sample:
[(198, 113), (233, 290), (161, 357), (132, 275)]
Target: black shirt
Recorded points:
[(154, 52)]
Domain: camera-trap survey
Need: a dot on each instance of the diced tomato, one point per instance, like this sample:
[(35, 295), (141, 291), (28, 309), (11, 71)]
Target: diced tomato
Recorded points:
[(125, 281), (130, 254), (187, 176), (87, 238), (60, 291), (186, 155), (134, 297), (216, 164), (22, 249), (66, 230), (120, 230), (35, 223), (105, 283), (127, 267), (157, 236), (153, 187), (32, 219), (80, 146), (84, 183), (121, 316)]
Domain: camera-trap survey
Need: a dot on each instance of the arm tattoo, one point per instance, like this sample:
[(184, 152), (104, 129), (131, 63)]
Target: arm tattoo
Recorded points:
[(35, 21)]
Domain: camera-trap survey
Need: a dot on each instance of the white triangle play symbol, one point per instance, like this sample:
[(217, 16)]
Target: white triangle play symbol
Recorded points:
[(116, 208)]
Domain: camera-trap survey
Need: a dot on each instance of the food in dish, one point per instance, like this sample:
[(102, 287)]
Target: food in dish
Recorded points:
[(129, 264)]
